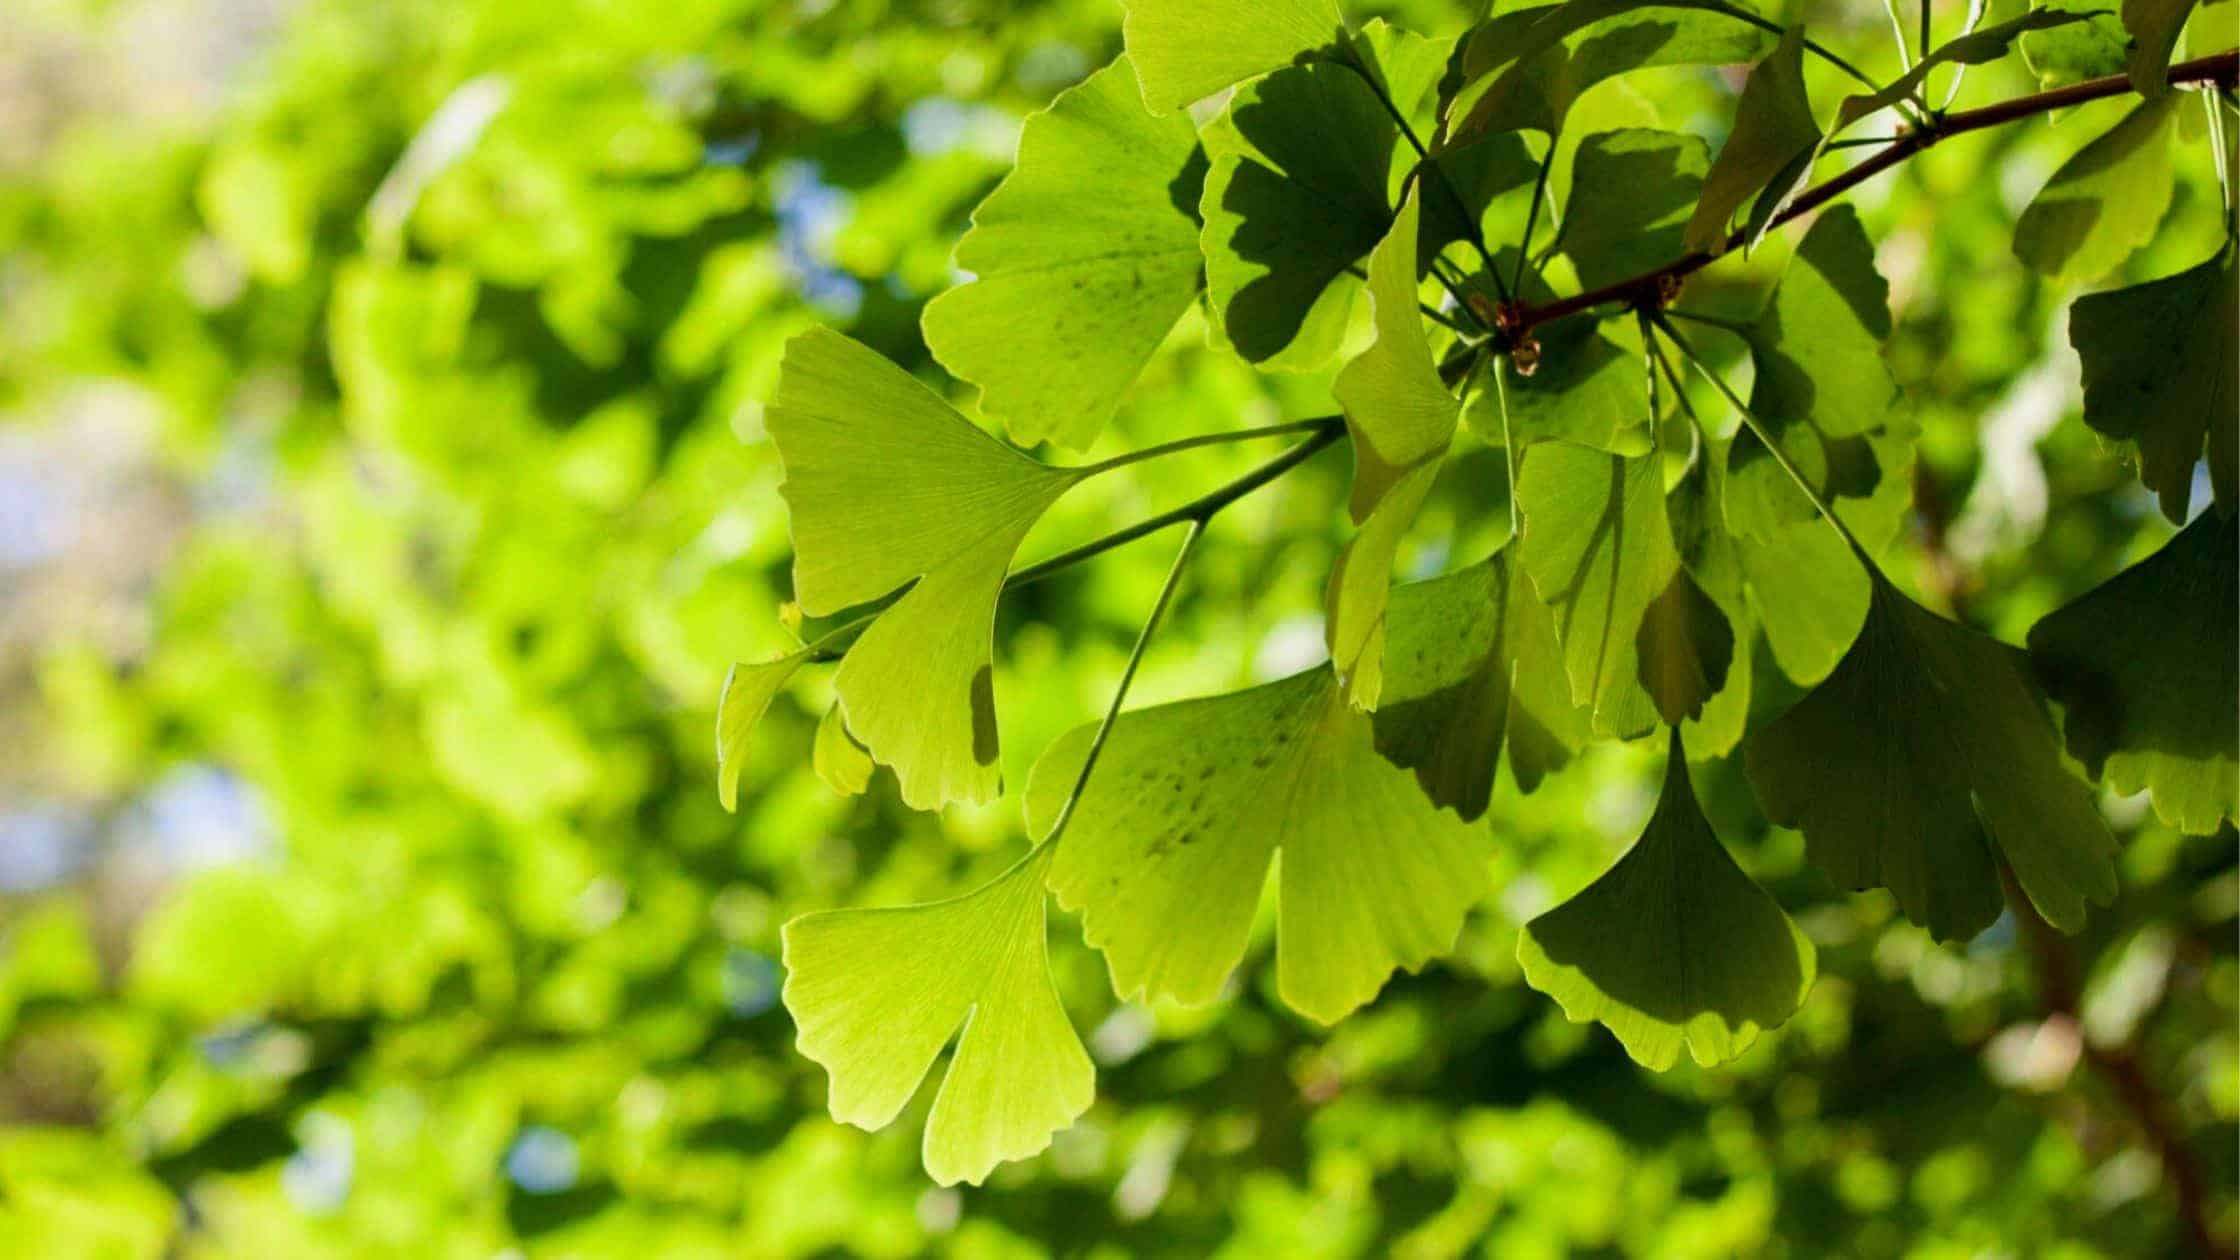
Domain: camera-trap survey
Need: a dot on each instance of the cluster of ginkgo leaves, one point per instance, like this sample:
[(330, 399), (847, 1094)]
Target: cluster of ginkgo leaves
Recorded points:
[(1352, 167)]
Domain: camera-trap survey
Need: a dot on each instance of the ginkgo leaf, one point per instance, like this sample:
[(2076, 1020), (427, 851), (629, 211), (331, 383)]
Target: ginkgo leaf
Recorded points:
[(1772, 127), (1473, 668), (887, 483), (1631, 193), (1402, 418), (1809, 592), (876, 994), (2147, 669), (843, 764), (2157, 372), (2083, 50), (2105, 202), (1674, 945), (1185, 50), (1296, 196), (1083, 258), (747, 692), (1524, 69), (1169, 848), (1587, 387), (1972, 49), (1469, 181), (2154, 27), (1924, 761), (1711, 558), (1599, 548)]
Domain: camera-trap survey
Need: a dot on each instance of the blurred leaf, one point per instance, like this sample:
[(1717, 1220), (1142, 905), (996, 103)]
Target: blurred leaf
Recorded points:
[(1972, 49), (2089, 49), (2154, 26), (2104, 203)]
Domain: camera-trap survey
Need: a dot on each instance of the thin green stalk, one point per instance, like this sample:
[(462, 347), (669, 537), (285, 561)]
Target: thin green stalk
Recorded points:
[(1898, 33), (1699, 439), (1195, 529), (1773, 448), (1508, 453), (1711, 321), (1206, 439), (1924, 29), (1532, 216)]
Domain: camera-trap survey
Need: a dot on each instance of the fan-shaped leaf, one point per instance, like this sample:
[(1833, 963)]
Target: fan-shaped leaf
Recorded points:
[(1185, 50), (876, 994), (1631, 193), (747, 692), (1772, 127), (1084, 257), (2105, 202), (1170, 846), (843, 764), (1673, 945)]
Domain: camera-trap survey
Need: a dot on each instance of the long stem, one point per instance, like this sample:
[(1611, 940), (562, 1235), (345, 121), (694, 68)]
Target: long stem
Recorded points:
[(2222, 68), (1208, 439), (1195, 529), (1532, 216), (1898, 33), (1508, 452), (1773, 448)]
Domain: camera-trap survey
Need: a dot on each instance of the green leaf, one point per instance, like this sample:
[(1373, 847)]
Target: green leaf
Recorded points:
[(1473, 667), (2089, 49), (1640, 639), (843, 764), (1631, 194), (1170, 846), (1401, 417), (1185, 50), (1923, 761), (1523, 70), (2144, 668), (1296, 195), (1772, 127), (2105, 202), (1673, 945), (1695, 506), (1587, 388), (747, 692), (1477, 175), (2157, 371), (2154, 26), (887, 484), (1809, 592), (1972, 49), (1085, 255), (876, 994)]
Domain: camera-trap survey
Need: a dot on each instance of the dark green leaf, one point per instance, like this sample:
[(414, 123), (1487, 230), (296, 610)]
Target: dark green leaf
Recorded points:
[(2154, 26), (1773, 127), (1631, 194)]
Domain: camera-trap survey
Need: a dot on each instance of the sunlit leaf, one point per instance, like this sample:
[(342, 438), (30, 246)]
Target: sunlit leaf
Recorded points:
[(876, 994), (1402, 418), (2147, 669), (887, 484), (2157, 372), (1473, 668), (1924, 761), (1083, 258), (2105, 202), (1772, 127), (1170, 846), (843, 764), (1713, 563), (1184, 50), (1631, 194), (1674, 945), (747, 692)]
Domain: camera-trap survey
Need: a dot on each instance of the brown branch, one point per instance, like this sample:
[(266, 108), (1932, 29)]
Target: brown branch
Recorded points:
[(1645, 289)]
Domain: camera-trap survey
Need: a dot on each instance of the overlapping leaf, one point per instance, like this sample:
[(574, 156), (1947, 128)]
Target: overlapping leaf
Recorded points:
[(1674, 945), (843, 764), (2158, 372), (2147, 669), (1084, 257), (1473, 668), (888, 484), (2105, 202), (1185, 50), (876, 994), (1972, 49), (1631, 194), (1170, 846), (1587, 388), (2154, 26), (1713, 562), (2083, 50), (1922, 763), (747, 692), (1773, 128), (1402, 419)]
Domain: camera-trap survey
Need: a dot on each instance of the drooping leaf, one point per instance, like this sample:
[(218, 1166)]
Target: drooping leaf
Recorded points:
[(1473, 668), (1185, 51), (876, 994), (747, 692), (2154, 27), (1925, 760), (1296, 195), (1599, 548), (1402, 418), (2144, 666), (1674, 945), (887, 484), (843, 764), (2157, 372), (1524, 69), (1170, 846), (1972, 49), (1772, 127), (1084, 257), (2105, 202), (1631, 194)]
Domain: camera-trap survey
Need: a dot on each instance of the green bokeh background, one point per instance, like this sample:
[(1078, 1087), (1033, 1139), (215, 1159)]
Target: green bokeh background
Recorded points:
[(383, 494)]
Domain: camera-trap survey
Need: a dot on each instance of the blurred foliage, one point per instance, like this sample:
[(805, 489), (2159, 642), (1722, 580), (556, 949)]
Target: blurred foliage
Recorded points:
[(363, 888)]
